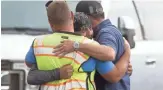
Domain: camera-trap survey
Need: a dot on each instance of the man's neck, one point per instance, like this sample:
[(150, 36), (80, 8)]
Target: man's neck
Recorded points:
[(64, 29), (99, 21), (95, 29)]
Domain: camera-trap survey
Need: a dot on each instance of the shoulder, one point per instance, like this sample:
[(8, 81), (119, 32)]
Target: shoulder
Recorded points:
[(39, 39), (110, 29), (42, 36)]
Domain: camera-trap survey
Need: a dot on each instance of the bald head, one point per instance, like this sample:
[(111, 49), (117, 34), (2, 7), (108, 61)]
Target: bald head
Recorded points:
[(58, 13)]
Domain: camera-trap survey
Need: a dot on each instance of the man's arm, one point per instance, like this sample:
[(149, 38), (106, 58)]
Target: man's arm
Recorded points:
[(106, 51), (101, 52), (130, 70), (109, 71), (115, 74), (37, 77)]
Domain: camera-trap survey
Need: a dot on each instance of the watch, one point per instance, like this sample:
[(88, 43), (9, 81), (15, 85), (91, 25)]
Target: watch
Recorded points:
[(76, 45)]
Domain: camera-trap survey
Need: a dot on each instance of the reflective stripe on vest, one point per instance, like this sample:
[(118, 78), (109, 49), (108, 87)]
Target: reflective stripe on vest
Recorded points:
[(48, 51), (68, 85)]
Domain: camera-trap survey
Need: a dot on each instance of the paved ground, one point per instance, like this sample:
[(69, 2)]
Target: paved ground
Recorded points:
[(144, 77)]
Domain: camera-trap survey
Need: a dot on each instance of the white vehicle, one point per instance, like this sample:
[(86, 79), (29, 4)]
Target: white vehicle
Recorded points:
[(14, 48), (22, 21)]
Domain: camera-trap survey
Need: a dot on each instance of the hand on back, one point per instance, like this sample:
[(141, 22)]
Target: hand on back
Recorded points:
[(66, 72)]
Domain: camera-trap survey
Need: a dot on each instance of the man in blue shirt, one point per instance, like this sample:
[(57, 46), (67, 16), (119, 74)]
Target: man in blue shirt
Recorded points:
[(110, 38), (37, 77)]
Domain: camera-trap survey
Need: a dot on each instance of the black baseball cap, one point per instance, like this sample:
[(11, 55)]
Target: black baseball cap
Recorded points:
[(89, 7)]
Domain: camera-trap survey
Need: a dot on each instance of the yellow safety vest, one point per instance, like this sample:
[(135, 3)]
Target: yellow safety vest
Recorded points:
[(43, 47)]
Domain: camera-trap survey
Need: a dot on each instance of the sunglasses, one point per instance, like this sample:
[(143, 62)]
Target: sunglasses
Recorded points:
[(48, 3)]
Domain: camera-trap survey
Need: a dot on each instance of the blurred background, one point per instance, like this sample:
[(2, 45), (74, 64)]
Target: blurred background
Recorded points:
[(139, 21)]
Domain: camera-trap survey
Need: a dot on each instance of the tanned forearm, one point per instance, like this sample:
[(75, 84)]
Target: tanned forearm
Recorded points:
[(119, 70), (122, 64), (100, 52)]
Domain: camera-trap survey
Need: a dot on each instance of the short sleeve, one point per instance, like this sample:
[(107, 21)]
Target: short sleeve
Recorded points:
[(89, 65), (30, 58), (104, 67)]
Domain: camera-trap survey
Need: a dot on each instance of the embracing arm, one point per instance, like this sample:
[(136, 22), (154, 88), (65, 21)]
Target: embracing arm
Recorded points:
[(118, 71), (101, 52), (38, 77), (106, 51)]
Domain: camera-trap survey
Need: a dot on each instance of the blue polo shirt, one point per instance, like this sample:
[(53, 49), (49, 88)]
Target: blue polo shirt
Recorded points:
[(107, 34)]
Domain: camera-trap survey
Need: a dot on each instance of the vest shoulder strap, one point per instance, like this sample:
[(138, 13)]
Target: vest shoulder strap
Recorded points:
[(38, 41)]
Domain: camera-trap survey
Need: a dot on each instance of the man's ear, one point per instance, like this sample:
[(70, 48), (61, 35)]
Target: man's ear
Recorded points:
[(72, 16), (51, 25)]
